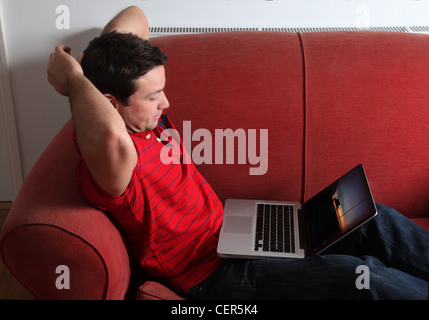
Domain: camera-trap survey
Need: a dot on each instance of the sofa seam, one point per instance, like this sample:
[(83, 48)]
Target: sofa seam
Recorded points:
[(305, 122)]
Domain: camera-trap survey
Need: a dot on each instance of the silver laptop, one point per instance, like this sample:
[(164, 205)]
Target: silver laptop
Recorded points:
[(280, 229)]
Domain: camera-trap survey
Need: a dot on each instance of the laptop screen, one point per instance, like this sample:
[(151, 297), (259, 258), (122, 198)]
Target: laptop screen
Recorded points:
[(338, 209)]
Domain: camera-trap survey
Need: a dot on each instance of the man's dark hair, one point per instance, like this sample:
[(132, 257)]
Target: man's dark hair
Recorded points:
[(113, 61)]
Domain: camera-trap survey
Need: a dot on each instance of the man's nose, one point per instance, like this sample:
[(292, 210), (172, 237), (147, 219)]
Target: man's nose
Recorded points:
[(164, 103)]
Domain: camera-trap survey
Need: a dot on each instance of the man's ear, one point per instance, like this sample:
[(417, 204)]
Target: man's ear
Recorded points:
[(112, 99)]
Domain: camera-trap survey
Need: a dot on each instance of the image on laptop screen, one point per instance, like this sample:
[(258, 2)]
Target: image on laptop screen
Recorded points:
[(338, 209)]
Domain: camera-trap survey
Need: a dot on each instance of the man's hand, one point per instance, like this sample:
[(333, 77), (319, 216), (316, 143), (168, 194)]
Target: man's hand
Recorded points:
[(62, 67)]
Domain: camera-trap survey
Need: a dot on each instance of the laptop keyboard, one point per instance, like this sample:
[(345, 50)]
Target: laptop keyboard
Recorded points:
[(275, 228)]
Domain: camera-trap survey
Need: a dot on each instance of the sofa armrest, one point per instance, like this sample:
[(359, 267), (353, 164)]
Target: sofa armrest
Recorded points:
[(96, 258), (50, 225)]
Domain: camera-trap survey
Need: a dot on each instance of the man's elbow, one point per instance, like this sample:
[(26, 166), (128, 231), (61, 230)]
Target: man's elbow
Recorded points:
[(120, 146), (109, 148), (111, 162)]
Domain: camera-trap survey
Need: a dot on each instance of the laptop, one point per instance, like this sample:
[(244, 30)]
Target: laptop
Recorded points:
[(281, 229)]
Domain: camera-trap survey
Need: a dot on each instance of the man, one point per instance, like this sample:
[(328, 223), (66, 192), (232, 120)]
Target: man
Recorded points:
[(170, 214)]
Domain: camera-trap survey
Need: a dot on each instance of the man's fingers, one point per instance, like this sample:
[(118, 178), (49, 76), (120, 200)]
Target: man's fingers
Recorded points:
[(64, 48)]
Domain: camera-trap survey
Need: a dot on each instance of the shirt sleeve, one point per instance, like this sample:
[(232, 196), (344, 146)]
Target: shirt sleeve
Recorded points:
[(94, 194)]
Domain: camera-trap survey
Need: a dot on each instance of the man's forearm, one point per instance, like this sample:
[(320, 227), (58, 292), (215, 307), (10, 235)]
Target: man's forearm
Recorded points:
[(94, 117)]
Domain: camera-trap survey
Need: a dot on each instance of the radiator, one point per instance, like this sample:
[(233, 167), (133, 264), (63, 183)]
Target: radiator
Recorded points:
[(161, 31)]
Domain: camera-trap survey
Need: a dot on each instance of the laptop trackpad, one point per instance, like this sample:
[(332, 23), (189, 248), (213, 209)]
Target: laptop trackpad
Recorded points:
[(234, 224)]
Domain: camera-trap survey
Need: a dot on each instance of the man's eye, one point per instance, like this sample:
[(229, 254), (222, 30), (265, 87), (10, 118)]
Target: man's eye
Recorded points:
[(154, 97)]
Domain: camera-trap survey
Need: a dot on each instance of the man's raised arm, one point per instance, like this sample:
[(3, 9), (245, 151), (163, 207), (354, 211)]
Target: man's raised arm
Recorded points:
[(101, 133), (131, 19)]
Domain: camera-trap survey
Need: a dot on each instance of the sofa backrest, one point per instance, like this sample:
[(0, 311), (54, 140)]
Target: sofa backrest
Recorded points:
[(329, 101)]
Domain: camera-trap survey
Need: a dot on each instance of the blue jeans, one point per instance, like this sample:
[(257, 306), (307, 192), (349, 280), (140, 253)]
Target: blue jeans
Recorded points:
[(394, 250)]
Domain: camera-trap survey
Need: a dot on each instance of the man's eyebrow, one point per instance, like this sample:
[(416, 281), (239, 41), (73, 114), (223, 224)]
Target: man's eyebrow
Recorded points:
[(154, 92)]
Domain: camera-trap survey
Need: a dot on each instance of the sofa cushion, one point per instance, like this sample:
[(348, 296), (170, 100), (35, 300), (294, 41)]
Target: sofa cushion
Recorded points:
[(367, 102), (241, 80)]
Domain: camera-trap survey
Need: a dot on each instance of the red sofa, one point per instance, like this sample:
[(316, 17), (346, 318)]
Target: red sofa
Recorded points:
[(330, 101)]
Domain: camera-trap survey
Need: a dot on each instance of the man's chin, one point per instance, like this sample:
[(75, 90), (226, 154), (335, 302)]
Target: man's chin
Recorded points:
[(145, 128), (152, 125)]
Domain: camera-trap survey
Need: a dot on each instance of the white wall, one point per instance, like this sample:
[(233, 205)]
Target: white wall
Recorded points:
[(5, 178), (31, 34)]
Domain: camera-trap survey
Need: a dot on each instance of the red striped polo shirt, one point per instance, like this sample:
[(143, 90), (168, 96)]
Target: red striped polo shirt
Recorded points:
[(169, 213)]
